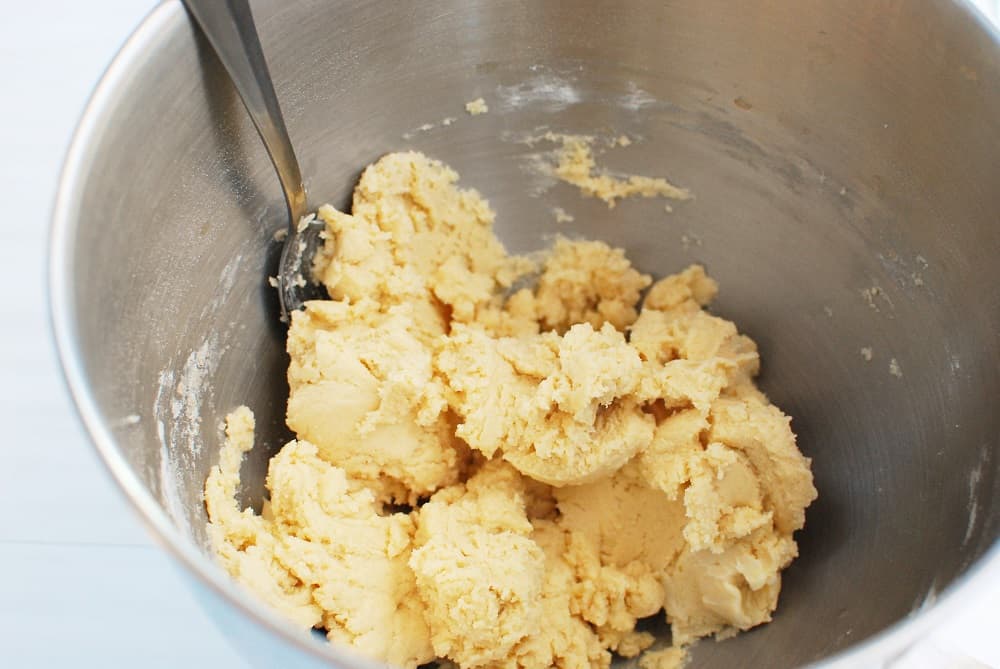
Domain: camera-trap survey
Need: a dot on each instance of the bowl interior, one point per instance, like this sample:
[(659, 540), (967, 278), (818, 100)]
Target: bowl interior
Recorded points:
[(843, 158)]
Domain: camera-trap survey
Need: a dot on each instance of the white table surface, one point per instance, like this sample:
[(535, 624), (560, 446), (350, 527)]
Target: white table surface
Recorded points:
[(81, 583)]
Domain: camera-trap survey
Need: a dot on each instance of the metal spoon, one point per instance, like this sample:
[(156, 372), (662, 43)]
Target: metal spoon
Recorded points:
[(230, 29)]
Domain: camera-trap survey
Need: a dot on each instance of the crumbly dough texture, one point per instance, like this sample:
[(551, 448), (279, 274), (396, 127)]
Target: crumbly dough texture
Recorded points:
[(576, 166), (510, 478)]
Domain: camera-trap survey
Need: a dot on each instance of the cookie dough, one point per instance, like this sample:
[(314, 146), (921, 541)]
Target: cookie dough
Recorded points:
[(479, 606), (323, 553), (576, 166), (510, 478), (476, 107)]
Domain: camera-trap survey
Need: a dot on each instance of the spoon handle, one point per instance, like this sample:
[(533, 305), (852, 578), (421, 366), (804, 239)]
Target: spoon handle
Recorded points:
[(229, 27)]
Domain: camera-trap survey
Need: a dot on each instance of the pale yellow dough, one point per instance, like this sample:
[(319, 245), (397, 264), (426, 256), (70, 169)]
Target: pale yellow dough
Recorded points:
[(501, 479), (323, 553), (576, 166), (477, 569)]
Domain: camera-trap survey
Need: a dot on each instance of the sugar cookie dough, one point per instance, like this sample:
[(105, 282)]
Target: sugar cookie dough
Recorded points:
[(476, 107), (510, 478), (575, 165)]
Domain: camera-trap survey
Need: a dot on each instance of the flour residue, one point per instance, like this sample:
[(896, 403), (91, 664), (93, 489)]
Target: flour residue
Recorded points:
[(193, 386), (689, 240), (177, 411), (955, 364), (126, 421), (170, 476), (975, 476), (538, 165), (906, 273), (427, 127), (549, 92), (170, 483), (553, 93), (562, 216), (635, 99), (227, 280)]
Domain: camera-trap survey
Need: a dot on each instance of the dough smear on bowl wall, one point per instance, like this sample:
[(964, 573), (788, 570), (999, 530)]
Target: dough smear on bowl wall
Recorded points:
[(504, 476)]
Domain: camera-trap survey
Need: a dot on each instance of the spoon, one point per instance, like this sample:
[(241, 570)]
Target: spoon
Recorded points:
[(230, 29)]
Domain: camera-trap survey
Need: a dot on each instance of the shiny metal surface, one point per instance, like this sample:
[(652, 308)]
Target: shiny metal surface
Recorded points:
[(229, 28), (844, 158)]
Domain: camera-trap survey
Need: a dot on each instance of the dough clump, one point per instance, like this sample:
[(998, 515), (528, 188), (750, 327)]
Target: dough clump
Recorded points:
[(575, 165), (510, 478)]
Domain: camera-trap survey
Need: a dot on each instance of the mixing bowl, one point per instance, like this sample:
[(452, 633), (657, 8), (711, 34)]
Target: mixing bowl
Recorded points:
[(845, 161)]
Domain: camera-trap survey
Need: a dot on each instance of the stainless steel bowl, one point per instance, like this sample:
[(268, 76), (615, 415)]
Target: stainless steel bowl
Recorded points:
[(845, 158)]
